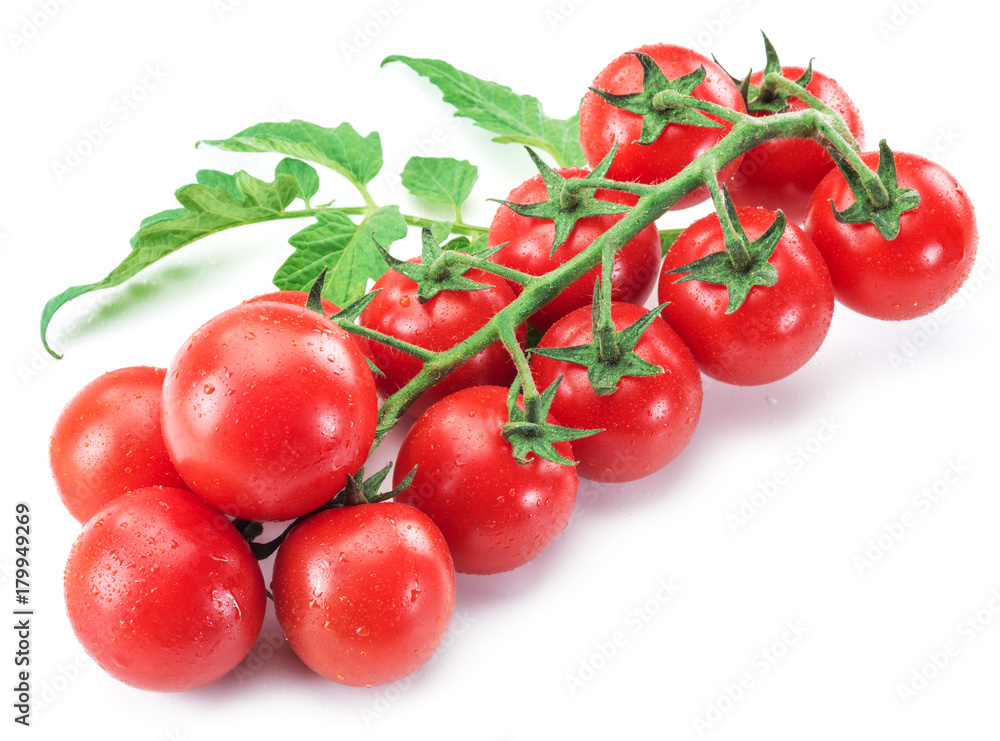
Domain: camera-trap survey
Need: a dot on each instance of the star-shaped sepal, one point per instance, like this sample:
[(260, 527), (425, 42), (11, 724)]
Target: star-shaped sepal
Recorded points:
[(870, 206), (529, 433), (764, 98), (611, 356), (432, 274), (743, 263), (565, 206), (662, 101), (357, 490)]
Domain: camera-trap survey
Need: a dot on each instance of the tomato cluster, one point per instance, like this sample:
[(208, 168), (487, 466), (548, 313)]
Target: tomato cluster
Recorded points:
[(270, 409)]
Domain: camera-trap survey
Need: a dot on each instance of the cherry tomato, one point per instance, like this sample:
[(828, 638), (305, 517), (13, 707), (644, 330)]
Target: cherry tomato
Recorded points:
[(529, 243), (364, 594), (107, 441), (495, 513), (784, 173), (776, 330), (437, 324), (267, 409), (299, 298), (922, 267), (163, 592), (647, 421), (603, 125)]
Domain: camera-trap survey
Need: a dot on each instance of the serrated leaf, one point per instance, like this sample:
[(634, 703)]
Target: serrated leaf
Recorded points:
[(305, 175), (221, 180), (440, 179), (334, 241), (206, 210), (358, 158), (498, 109), (667, 239), (440, 230)]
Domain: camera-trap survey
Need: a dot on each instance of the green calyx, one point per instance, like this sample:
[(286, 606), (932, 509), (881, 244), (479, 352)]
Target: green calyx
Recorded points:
[(743, 263), (357, 490), (611, 356), (528, 432), (567, 203), (768, 96), (662, 101), (878, 199), (435, 272)]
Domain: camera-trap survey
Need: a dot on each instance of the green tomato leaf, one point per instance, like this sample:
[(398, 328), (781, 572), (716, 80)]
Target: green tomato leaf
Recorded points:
[(345, 248), (440, 179), (207, 209), (498, 109), (358, 158), (222, 180), (667, 239), (305, 175)]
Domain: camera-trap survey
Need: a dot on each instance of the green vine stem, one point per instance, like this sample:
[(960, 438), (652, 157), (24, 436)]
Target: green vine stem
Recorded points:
[(823, 125)]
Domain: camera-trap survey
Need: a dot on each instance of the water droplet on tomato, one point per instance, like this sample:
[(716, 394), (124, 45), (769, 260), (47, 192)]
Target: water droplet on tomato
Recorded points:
[(404, 301), (209, 388), (362, 631)]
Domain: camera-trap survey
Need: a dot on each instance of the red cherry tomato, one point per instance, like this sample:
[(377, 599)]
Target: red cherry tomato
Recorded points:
[(437, 324), (162, 591), (529, 243), (782, 174), (603, 125), (647, 421), (267, 409), (495, 513), (364, 594), (299, 298), (776, 330), (914, 273), (107, 441)]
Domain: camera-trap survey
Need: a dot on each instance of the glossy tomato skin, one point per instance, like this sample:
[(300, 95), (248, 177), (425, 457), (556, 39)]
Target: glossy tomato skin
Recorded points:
[(921, 268), (163, 592), (107, 441), (364, 594), (647, 421), (267, 409), (437, 324), (783, 173), (495, 513), (299, 298), (603, 125), (529, 243), (778, 328)]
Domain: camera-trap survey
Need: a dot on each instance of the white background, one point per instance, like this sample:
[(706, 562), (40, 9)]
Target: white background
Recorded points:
[(906, 402)]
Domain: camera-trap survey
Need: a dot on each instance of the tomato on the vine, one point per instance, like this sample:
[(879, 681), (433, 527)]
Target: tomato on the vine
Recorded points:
[(921, 268), (162, 591), (776, 330), (647, 421), (107, 441), (528, 245), (267, 409), (437, 324), (603, 125), (496, 514), (364, 594), (783, 173)]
